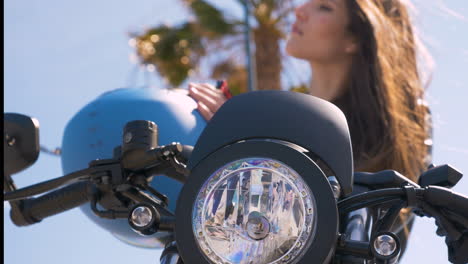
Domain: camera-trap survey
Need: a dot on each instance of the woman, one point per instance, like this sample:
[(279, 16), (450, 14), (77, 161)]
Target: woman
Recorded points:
[(363, 58)]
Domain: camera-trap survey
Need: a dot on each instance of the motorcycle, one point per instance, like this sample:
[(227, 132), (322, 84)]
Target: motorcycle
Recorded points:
[(257, 187)]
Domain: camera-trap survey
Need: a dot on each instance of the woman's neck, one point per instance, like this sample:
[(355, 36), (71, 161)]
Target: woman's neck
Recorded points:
[(329, 81)]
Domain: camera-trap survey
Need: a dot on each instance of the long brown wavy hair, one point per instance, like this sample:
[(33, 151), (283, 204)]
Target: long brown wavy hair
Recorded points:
[(384, 101)]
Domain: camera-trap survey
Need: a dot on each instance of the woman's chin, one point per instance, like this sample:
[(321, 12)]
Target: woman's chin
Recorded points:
[(294, 53), (293, 49), (290, 50)]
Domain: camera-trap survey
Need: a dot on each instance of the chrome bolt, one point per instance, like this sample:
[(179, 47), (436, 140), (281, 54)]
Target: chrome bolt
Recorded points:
[(257, 226), (128, 137), (336, 188), (10, 140), (141, 216), (385, 245)]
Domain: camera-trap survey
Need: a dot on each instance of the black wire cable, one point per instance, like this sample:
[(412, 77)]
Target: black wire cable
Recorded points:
[(109, 214), (46, 186), (369, 203), (363, 197), (386, 223)]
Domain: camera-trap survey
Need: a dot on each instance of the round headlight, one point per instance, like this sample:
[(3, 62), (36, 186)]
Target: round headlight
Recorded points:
[(252, 206), (256, 201)]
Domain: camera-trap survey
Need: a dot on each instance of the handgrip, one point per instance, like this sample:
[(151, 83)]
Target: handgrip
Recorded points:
[(443, 197), (61, 200)]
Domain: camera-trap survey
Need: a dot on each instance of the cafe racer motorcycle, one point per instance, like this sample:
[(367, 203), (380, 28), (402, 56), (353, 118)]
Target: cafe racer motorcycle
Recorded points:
[(262, 184)]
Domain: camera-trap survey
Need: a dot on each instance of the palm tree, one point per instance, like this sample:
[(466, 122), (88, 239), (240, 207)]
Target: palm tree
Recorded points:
[(177, 51)]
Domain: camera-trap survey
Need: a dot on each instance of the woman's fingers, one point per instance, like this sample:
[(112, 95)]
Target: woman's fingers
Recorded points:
[(209, 98), (207, 89), (206, 99), (205, 111)]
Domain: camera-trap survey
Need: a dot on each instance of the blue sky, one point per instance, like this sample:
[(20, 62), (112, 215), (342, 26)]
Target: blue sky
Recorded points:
[(60, 55)]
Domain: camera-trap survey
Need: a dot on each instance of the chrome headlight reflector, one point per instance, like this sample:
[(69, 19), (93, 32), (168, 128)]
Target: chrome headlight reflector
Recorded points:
[(254, 206)]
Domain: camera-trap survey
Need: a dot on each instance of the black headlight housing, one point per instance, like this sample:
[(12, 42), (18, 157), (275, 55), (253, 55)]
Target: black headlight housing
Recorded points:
[(307, 121), (289, 127), (325, 231)]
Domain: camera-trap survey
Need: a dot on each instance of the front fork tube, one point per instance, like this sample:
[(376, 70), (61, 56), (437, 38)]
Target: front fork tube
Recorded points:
[(357, 227), (170, 255)]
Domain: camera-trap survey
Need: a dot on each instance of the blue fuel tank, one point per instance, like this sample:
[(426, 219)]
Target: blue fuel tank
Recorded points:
[(96, 130)]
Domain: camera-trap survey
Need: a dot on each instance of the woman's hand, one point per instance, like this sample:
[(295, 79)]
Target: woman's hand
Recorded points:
[(209, 99)]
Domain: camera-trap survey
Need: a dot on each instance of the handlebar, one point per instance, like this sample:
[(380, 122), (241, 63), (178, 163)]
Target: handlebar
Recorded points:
[(52, 203), (102, 178)]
